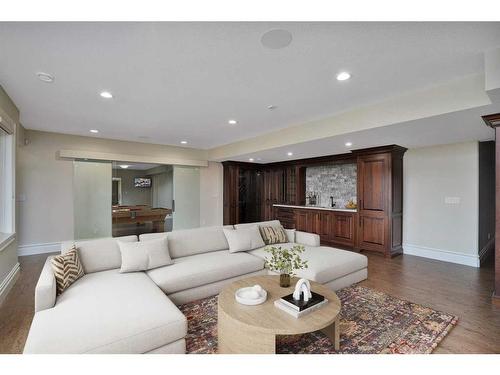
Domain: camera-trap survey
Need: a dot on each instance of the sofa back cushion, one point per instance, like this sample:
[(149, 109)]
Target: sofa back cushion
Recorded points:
[(100, 254), (271, 223), (186, 242)]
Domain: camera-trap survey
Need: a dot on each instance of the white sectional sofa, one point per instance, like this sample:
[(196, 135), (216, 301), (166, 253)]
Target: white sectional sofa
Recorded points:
[(111, 312)]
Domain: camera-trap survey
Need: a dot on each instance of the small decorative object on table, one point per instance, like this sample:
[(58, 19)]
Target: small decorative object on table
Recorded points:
[(302, 301), (285, 262), (253, 295)]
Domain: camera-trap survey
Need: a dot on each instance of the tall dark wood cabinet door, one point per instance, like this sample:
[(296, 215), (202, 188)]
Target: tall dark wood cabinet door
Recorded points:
[(268, 196), (373, 190), (230, 193)]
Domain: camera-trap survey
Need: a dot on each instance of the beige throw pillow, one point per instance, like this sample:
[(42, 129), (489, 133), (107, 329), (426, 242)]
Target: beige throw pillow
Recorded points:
[(144, 255), (273, 235), (243, 239), (67, 269)]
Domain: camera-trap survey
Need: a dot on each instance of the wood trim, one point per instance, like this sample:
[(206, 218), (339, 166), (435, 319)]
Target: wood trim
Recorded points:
[(497, 212), (94, 155), (492, 120)]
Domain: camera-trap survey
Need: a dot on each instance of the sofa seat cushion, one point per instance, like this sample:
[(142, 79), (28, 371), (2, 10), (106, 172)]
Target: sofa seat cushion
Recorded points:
[(107, 312), (324, 263), (196, 270)]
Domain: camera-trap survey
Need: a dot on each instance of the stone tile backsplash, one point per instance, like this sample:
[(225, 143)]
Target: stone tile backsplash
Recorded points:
[(334, 180)]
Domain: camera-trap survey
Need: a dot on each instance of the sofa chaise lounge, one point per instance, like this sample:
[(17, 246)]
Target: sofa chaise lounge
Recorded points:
[(106, 311)]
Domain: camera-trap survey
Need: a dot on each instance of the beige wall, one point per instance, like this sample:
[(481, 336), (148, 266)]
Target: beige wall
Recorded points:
[(45, 183), (432, 227), (8, 255), (130, 194), (211, 199)]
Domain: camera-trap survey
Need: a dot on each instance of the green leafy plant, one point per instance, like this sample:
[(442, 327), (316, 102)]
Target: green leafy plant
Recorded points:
[(285, 261)]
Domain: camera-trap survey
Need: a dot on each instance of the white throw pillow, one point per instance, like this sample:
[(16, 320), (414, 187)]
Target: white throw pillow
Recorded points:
[(144, 255), (290, 234), (243, 239)]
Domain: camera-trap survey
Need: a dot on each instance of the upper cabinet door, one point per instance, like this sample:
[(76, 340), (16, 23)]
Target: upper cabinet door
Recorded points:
[(373, 178)]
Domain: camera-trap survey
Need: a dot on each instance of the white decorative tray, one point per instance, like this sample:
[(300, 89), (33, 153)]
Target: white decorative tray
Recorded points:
[(253, 295)]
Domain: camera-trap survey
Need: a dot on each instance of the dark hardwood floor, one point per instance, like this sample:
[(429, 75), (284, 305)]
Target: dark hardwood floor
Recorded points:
[(463, 291)]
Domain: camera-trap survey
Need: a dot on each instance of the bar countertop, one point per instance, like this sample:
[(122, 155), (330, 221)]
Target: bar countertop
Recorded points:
[(318, 208)]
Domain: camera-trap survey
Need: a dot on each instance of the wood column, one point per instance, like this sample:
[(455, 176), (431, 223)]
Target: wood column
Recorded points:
[(494, 122)]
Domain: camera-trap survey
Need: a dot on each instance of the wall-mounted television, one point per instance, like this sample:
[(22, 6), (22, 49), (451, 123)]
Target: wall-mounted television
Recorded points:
[(142, 182)]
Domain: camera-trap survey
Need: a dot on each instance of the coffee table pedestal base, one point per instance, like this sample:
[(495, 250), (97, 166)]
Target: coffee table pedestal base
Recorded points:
[(234, 338)]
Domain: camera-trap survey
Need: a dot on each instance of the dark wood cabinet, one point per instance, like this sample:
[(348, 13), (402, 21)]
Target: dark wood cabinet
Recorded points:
[(335, 228), (286, 216), (251, 192), (242, 194), (380, 200), (344, 230)]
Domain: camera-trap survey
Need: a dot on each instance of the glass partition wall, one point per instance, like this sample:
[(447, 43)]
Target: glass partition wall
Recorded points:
[(119, 199)]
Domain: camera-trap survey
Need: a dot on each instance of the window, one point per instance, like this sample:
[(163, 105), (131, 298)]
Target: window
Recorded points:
[(6, 186)]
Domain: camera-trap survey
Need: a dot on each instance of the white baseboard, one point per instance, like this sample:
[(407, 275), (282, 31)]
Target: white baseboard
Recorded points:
[(8, 282), (443, 255), (40, 248)]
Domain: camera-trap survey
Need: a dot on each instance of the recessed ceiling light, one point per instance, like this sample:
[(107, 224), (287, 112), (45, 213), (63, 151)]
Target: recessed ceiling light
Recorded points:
[(95, 131), (343, 76), (348, 144), (106, 95), (271, 107), (184, 142), (276, 39), (251, 159), (45, 77), (232, 122), (289, 153), (124, 166)]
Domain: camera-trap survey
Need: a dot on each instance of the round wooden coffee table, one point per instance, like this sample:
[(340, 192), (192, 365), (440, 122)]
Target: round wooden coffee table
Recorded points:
[(252, 329)]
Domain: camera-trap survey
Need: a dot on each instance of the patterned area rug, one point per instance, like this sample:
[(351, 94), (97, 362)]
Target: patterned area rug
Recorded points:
[(371, 322)]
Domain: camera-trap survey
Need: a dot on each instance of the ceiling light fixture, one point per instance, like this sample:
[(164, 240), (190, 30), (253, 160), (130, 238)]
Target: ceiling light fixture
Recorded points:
[(271, 107), (184, 142), (124, 166), (45, 77), (232, 122), (290, 153), (106, 95), (251, 159), (348, 144), (95, 131), (343, 76)]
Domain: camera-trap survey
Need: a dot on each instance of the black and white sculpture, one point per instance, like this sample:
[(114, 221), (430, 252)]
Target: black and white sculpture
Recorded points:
[(302, 290)]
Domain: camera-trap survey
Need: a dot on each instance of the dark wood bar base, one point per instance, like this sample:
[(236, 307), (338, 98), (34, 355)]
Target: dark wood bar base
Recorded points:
[(335, 228), (251, 192)]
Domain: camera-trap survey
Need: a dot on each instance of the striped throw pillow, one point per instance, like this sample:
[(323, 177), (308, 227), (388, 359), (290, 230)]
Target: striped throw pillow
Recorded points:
[(67, 269), (272, 235)]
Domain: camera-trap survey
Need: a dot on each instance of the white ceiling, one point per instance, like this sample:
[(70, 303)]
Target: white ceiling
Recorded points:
[(183, 81), (454, 127)]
